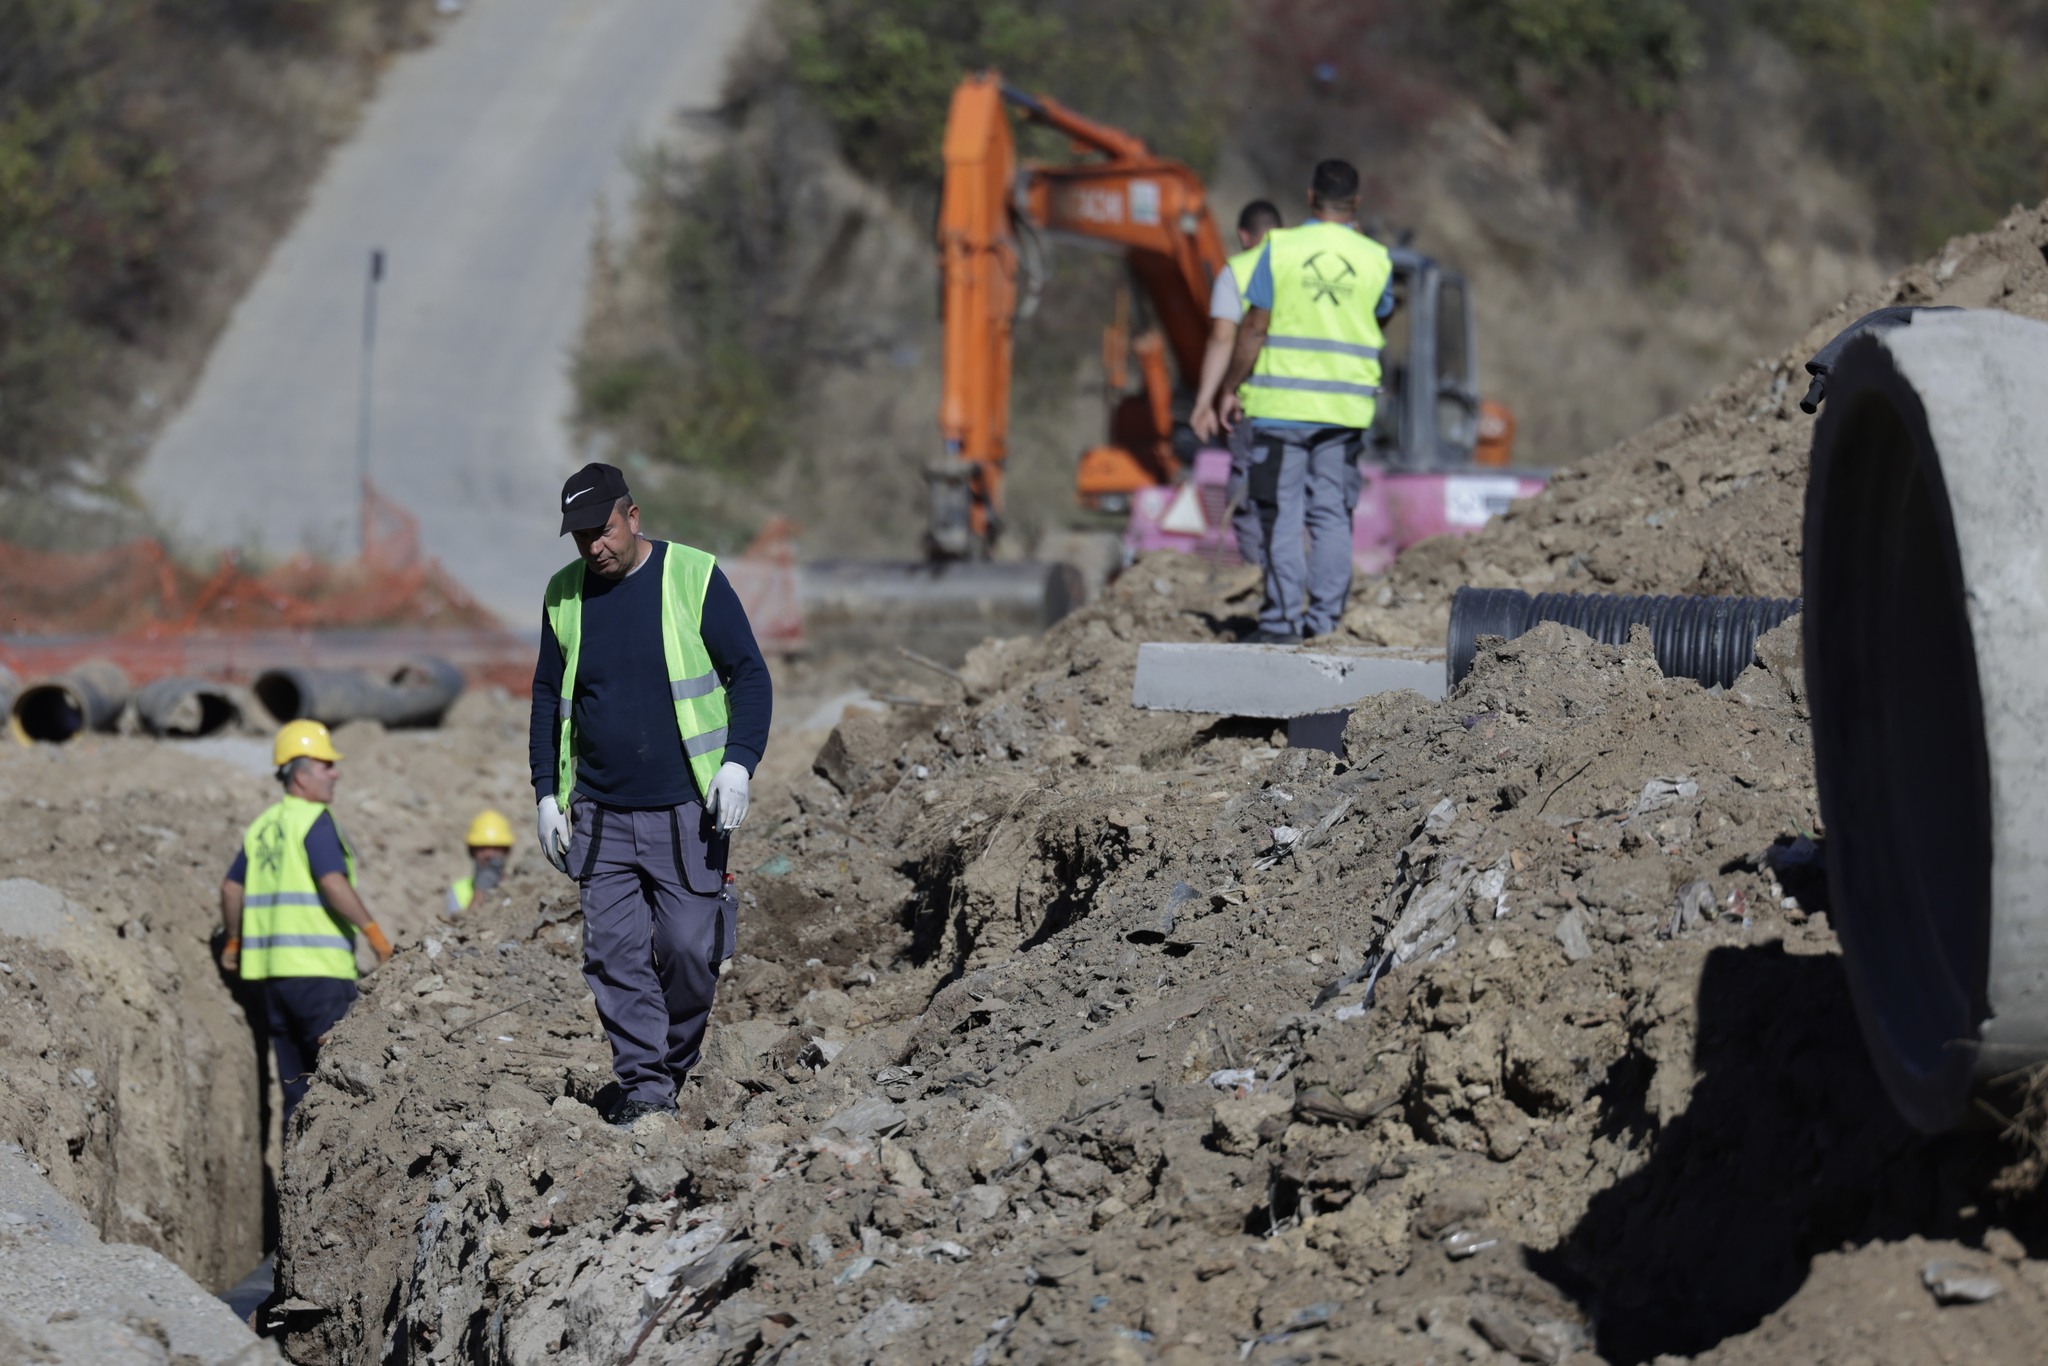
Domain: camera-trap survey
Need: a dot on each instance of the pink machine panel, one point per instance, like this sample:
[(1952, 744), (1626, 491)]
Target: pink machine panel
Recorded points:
[(1395, 510)]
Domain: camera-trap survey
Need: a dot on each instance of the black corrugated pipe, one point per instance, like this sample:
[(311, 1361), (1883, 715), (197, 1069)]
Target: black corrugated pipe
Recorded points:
[(418, 693), (1710, 639), (186, 708), (86, 696)]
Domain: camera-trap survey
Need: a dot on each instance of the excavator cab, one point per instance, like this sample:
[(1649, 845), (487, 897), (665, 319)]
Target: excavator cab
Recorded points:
[(1429, 410)]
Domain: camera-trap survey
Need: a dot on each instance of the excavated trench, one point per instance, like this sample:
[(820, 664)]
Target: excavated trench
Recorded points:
[(1519, 1029)]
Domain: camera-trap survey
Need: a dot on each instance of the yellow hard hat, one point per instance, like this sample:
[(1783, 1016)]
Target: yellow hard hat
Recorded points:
[(490, 830), (303, 740)]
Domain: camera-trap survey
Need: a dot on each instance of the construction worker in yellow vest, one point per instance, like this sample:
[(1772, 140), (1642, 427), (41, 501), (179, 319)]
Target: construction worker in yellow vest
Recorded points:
[(1308, 356), (1226, 311), (290, 910), (650, 712), (490, 844)]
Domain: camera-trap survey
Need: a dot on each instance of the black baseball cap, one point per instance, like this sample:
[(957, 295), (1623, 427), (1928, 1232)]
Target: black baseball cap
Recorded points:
[(588, 495)]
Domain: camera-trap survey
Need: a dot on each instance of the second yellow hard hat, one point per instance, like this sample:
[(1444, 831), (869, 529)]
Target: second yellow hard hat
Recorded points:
[(303, 740), (490, 830)]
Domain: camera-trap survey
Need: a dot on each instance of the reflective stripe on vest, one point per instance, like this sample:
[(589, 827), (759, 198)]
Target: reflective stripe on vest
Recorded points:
[(701, 712), (287, 931), (1321, 359), (1312, 386)]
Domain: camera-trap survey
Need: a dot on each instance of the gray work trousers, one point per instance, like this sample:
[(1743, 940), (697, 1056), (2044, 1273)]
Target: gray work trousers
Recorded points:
[(1244, 514), (657, 922), (1304, 483)]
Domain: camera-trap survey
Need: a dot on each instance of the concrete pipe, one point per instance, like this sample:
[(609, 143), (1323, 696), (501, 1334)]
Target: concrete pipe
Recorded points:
[(10, 686), (1926, 630), (86, 696), (186, 708), (418, 693)]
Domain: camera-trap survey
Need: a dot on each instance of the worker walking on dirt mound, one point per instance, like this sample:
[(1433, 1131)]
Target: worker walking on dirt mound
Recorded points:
[(290, 908), (490, 844), (650, 713), (1226, 311), (1308, 354)]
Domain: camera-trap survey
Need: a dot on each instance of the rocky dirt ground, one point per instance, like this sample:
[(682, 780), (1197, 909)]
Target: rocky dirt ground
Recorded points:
[(1065, 1032)]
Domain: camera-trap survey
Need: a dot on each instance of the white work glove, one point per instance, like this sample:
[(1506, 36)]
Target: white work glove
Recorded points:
[(727, 800), (554, 833)]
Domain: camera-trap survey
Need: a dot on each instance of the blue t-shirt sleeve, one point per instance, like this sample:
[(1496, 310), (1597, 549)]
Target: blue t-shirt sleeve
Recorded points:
[(238, 871), (323, 847), (1259, 293), (1385, 310)]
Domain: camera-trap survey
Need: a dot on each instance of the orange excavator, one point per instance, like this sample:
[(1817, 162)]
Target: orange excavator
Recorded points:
[(1437, 442), (992, 223), (1431, 440)]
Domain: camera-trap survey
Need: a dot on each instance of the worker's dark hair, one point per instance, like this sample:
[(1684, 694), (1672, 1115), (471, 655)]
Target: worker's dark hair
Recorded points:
[(624, 504), (1259, 216), (1334, 182)]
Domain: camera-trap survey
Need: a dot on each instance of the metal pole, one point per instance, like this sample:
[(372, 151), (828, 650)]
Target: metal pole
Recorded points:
[(363, 405)]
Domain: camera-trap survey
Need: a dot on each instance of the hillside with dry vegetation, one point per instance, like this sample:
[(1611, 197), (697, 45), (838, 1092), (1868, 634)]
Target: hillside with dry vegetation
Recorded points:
[(1646, 194)]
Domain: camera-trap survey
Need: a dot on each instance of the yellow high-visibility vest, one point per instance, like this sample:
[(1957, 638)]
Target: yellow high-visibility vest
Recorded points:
[(1241, 267), (1321, 360), (287, 930), (693, 683)]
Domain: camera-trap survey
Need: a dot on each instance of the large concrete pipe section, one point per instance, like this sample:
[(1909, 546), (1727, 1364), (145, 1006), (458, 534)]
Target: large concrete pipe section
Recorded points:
[(1926, 622), (186, 708), (86, 696), (418, 693)]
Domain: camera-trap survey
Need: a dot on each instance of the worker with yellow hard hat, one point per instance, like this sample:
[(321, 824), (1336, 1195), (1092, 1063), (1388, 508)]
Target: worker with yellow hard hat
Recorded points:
[(490, 844), (290, 910)]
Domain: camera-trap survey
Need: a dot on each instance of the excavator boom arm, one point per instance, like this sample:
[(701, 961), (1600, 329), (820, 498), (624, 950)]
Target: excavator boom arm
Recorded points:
[(1150, 208)]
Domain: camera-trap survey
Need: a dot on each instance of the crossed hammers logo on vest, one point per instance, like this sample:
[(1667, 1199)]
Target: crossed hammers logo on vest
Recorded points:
[(270, 846), (1328, 288)]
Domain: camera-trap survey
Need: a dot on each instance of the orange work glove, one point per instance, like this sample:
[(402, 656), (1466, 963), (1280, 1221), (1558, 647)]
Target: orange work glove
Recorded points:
[(231, 954), (378, 943)]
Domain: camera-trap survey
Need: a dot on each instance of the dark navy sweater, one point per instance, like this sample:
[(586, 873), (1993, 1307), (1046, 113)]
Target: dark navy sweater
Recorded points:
[(632, 755)]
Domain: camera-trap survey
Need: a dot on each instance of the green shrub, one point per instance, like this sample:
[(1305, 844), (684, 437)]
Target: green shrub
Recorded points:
[(1942, 108), (883, 71), (1638, 52), (105, 106)]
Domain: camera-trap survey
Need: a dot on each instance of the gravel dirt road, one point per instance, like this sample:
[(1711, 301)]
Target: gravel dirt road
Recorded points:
[(478, 169)]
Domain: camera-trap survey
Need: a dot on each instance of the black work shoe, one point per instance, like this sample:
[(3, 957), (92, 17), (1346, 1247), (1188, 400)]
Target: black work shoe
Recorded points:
[(629, 1112), (1273, 638)]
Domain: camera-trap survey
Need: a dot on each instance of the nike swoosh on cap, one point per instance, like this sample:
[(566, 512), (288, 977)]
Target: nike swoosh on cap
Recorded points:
[(574, 496)]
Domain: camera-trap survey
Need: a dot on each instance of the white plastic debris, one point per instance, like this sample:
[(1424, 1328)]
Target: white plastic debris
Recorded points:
[(1234, 1078), (1960, 1283)]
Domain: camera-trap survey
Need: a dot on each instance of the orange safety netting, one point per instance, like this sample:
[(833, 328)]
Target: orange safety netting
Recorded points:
[(155, 617), (138, 589)]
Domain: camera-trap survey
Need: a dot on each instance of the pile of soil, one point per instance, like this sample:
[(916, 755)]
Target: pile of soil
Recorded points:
[(1515, 1031), (1708, 500)]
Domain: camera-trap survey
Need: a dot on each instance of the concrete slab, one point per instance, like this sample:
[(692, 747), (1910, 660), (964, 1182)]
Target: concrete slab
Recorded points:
[(1277, 681), (68, 1299)]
